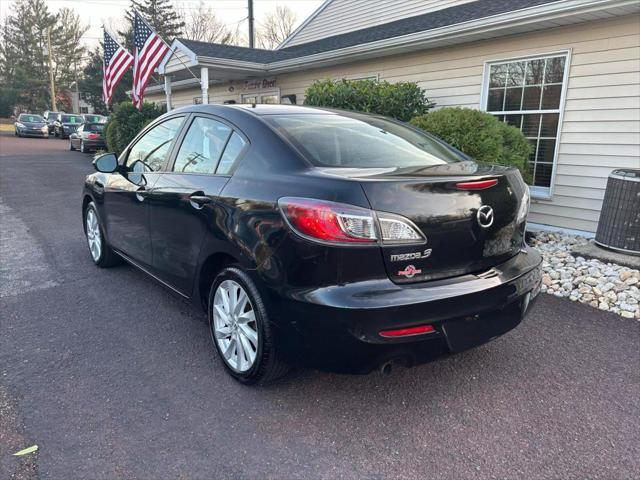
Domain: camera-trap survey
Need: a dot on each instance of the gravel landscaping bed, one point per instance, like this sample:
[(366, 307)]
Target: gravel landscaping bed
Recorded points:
[(606, 286)]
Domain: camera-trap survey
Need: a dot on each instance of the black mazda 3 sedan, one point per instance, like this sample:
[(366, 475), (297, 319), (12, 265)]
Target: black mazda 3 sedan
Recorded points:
[(314, 237)]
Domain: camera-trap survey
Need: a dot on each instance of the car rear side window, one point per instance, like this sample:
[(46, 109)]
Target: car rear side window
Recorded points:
[(361, 141), (151, 150), (202, 146), (235, 145), (93, 127)]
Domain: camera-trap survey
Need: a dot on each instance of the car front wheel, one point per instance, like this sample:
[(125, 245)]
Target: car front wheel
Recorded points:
[(241, 331), (101, 253)]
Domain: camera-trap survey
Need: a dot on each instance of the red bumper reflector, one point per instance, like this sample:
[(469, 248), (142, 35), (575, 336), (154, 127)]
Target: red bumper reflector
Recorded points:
[(479, 185), (406, 332)]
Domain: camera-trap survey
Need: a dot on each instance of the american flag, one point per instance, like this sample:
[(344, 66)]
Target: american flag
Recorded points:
[(117, 61), (150, 49)]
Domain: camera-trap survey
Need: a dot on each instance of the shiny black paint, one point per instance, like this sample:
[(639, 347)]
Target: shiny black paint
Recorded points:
[(327, 303)]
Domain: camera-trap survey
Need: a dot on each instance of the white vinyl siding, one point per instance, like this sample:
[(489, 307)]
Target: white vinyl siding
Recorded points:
[(600, 130), (342, 16)]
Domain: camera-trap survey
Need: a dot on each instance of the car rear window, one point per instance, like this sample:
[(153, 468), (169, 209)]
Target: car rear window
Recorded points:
[(362, 141), (31, 118), (72, 119), (93, 127)]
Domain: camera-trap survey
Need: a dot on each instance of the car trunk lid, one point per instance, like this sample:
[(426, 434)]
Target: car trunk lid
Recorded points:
[(467, 212)]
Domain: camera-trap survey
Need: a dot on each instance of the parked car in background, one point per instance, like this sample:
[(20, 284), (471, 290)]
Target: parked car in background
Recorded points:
[(50, 117), (31, 125), (324, 238), (88, 137), (94, 118), (66, 123)]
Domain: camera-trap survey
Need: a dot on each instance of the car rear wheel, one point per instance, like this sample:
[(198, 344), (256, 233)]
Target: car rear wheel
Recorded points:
[(71, 147), (83, 148), (101, 253), (241, 331)]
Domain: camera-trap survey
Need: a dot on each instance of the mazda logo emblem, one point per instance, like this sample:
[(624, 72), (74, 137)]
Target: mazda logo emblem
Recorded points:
[(485, 216)]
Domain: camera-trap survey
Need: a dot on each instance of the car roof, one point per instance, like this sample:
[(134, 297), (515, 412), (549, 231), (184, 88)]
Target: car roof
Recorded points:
[(257, 109)]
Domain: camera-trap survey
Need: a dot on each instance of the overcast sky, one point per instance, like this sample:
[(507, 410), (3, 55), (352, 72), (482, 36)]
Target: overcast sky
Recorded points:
[(95, 13)]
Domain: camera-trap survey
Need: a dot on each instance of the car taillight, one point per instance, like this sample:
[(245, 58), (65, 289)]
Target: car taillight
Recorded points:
[(339, 223), (477, 184), (329, 221), (92, 135)]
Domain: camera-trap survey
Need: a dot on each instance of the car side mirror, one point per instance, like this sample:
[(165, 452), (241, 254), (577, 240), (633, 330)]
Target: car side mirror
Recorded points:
[(106, 163)]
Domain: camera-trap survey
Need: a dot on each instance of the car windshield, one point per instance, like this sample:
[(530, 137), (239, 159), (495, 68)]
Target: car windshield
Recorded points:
[(72, 119), (93, 127), (362, 141), (30, 118)]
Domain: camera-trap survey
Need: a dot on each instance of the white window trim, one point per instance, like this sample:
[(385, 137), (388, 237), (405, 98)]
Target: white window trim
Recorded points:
[(541, 193), (260, 93)]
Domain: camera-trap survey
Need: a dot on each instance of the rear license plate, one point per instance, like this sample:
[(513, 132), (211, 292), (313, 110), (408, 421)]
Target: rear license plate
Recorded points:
[(465, 333)]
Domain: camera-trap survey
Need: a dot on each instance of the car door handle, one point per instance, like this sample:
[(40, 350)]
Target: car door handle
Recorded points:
[(141, 194), (199, 201)]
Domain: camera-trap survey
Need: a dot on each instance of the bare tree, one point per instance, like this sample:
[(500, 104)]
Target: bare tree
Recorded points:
[(277, 25), (202, 24)]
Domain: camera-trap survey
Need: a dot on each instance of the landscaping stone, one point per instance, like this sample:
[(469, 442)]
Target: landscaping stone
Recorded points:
[(609, 286)]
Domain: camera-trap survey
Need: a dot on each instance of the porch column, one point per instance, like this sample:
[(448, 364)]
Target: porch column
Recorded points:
[(204, 84), (167, 92)]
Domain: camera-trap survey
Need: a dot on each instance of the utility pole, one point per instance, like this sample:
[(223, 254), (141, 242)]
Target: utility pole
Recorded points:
[(75, 74), (53, 85), (250, 16)]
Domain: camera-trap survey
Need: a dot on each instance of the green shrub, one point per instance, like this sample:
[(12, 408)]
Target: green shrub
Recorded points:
[(126, 122), (480, 135), (402, 100)]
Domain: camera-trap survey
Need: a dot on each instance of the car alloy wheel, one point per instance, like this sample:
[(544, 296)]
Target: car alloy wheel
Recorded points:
[(94, 237), (234, 326)]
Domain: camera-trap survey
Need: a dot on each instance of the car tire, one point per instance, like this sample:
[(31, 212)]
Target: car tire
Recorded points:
[(267, 365), (71, 147), (83, 149), (101, 253)]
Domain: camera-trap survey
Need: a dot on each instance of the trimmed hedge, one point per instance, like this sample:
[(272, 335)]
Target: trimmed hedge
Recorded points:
[(401, 101), (480, 135), (126, 122)]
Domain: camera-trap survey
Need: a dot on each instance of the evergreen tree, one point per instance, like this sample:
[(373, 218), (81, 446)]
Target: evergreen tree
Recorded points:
[(23, 59), (161, 15)]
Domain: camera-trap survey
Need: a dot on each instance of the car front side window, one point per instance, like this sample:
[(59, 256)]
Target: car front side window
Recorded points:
[(150, 152)]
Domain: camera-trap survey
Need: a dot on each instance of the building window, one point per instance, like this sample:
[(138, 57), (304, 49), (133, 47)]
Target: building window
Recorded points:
[(528, 94)]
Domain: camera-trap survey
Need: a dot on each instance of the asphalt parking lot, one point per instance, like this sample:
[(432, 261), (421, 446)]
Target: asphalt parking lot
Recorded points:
[(112, 376)]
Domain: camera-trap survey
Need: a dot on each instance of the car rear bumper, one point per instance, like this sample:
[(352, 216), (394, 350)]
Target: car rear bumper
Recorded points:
[(338, 327), (94, 145)]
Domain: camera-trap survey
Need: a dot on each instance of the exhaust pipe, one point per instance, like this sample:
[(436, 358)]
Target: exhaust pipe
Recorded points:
[(385, 368)]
